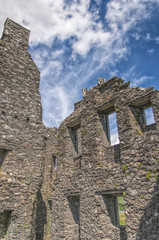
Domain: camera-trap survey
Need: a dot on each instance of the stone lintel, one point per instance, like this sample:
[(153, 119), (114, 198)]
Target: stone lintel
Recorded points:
[(74, 123), (111, 192), (144, 100)]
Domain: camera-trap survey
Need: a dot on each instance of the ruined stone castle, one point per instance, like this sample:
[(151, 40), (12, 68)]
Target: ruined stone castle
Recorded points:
[(72, 182)]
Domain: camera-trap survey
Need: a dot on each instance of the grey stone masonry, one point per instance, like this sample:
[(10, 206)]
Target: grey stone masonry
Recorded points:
[(75, 182), (22, 144), (101, 172)]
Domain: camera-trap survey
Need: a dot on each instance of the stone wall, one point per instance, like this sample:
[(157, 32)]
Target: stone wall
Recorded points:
[(101, 172), (65, 183), (22, 144)]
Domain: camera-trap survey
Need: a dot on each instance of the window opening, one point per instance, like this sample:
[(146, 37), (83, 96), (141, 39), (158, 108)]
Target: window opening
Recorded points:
[(143, 113), (114, 203), (121, 212), (53, 163), (75, 133), (109, 123), (149, 116), (115, 208), (113, 129)]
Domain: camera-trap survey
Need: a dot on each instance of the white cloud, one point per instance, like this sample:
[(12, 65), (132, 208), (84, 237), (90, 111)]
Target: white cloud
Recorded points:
[(54, 19), (58, 107), (136, 36), (138, 81), (114, 139), (48, 62), (50, 19)]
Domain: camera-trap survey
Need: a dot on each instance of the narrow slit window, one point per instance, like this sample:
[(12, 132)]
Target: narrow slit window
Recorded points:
[(112, 129), (149, 116), (53, 163), (76, 140), (75, 133)]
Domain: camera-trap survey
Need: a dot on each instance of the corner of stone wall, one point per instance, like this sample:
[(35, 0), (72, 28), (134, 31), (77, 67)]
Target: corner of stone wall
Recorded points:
[(15, 34)]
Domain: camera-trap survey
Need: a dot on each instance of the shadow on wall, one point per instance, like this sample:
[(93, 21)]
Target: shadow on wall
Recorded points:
[(5, 220), (74, 204), (40, 217), (3, 154), (149, 224)]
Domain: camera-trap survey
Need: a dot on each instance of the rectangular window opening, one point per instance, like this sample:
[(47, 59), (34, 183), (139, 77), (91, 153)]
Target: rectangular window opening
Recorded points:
[(115, 208), (144, 116), (75, 133), (149, 116), (114, 203), (121, 211), (53, 163), (109, 123), (113, 129)]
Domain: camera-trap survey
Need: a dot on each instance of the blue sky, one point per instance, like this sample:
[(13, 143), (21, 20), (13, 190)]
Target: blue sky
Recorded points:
[(73, 42)]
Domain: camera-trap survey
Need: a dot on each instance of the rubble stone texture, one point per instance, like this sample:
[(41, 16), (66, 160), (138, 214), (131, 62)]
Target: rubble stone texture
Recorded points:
[(64, 183)]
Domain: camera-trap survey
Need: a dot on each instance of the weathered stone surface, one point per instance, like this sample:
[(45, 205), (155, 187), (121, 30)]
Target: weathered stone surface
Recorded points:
[(63, 183), (134, 173), (21, 143)]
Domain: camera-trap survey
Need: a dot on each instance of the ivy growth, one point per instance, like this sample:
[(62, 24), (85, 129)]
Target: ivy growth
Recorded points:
[(138, 131), (125, 168), (100, 165), (83, 132), (148, 176)]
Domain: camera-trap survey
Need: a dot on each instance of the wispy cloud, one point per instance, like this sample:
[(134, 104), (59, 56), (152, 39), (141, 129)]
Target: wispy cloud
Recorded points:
[(85, 44), (55, 112), (135, 77), (138, 81), (157, 39)]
